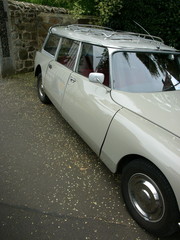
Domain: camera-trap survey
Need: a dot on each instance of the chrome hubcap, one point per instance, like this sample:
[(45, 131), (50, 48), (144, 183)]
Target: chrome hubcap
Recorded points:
[(146, 197)]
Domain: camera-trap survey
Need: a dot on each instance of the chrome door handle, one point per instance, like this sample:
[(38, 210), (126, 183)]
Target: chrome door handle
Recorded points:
[(72, 80), (50, 66)]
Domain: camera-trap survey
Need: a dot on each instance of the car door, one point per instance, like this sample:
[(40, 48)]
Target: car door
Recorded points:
[(47, 53), (88, 106), (60, 69)]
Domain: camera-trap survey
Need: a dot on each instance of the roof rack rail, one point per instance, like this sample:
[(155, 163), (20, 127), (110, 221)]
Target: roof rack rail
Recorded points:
[(87, 26), (55, 25), (142, 35), (93, 29), (109, 33)]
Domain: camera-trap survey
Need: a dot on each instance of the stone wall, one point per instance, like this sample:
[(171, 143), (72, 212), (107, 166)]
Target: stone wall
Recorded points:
[(29, 24), (23, 27)]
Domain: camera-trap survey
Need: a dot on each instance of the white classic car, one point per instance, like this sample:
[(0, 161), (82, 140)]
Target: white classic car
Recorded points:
[(120, 92)]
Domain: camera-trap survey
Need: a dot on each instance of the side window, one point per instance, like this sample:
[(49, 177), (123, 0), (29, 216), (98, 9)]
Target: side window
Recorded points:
[(68, 52), (94, 59), (52, 44)]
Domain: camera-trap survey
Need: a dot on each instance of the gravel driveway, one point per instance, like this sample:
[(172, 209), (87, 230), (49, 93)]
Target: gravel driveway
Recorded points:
[(52, 186)]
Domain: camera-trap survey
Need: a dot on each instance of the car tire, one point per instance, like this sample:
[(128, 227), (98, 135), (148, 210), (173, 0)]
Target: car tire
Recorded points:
[(149, 198), (41, 94)]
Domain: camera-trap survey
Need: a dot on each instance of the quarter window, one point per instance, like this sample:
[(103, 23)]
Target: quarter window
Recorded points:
[(52, 44), (68, 53), (94, 59)]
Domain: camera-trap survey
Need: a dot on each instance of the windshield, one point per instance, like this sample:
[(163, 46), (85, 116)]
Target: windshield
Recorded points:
[(145, 72)]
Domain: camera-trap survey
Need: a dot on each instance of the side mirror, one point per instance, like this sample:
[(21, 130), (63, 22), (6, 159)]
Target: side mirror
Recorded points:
[(96, 77)]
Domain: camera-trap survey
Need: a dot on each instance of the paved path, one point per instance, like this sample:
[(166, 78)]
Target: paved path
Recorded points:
[(52, 186)]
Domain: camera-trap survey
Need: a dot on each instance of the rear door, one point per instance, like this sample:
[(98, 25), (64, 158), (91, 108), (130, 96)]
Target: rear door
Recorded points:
[(47, 53), (59, 71), (88, 106)]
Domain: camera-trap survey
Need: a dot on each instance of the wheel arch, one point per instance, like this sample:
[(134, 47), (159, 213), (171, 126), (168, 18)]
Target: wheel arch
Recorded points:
[(125, 160), (129, 158), (38, 70)]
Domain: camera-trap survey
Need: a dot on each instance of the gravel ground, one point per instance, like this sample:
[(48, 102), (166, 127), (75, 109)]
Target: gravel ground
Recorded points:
[(52, 186)]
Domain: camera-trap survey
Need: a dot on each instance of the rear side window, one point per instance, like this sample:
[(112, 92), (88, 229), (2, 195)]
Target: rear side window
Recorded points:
[(94, 59), (68, 52), (52, 44)]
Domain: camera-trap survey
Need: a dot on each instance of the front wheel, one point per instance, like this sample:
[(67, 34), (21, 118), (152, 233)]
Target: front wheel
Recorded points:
[(149, 198), (41, 94)]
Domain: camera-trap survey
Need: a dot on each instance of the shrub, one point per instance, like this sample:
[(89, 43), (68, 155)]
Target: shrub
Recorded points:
[(158, 17)]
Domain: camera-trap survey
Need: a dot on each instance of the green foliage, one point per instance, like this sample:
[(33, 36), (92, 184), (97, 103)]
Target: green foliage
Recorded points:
[(107, 9), (82, 7), (158, 17)]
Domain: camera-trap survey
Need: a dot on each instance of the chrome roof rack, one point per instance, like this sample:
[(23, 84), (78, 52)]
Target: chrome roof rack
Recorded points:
[(92, 29), (109, 33), (87, 27), (120, 34)]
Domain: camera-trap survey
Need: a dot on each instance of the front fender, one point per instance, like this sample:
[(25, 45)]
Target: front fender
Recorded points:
[(130, 134)]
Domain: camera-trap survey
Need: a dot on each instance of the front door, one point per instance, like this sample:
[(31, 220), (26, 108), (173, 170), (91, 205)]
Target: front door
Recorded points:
[(88, 106)]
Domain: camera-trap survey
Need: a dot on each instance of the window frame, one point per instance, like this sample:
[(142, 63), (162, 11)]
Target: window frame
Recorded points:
[(45, 42), (79, 58), (59, 48), (113, 52), (78, 54)]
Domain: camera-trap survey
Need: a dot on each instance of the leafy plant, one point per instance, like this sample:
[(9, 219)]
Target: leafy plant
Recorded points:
[(107, 9), (82, 7), (156, 16)]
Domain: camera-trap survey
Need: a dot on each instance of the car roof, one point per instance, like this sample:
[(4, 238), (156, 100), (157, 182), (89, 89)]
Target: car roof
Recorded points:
[(114, 39)]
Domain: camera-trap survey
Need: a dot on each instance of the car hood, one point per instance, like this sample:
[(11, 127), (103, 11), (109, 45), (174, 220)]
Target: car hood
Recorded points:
[(161, 108)]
